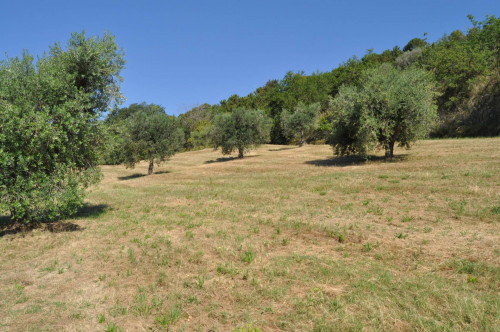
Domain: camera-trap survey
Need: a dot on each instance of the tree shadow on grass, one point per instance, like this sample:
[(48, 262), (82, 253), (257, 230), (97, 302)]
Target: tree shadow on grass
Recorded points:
[(88, 211), (91, 211), (222, 160), (354, 160), (283, 149), (130, 177), (139, 175)]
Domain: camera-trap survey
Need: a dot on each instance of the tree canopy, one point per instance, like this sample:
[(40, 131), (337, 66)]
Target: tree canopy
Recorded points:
[(240, 130), (151, 135), (302, 121), (464, 63), (392, 106), (50, 134)]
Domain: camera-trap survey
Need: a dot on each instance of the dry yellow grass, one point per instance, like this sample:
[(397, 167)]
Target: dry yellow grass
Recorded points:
[(285, 239)]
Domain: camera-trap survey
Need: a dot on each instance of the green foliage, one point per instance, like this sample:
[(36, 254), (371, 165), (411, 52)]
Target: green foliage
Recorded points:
[(302, 121), (151, 135), (391, 107), (122, 115), (408, 58), (465, 65), (351, 130), (414, 44), (456, 63), (201, 135), (271, 98), (248, 256), (240, 130), (115, 132), (50, 137), (196, 124), (113, 136)]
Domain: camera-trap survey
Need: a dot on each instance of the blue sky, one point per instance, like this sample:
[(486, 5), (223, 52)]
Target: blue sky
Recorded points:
[(183, 53)]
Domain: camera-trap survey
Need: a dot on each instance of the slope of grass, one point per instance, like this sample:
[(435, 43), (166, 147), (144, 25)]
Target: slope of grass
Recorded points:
[(284, 239)]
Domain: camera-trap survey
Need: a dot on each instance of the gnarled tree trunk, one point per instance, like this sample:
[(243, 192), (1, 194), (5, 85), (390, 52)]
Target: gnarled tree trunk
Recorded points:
[(389, 150), (151, 166)]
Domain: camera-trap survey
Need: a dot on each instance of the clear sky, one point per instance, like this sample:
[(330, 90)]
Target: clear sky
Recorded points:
[(184, 53)]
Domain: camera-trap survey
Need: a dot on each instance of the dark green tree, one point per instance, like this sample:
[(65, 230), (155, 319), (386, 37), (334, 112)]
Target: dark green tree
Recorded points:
[(50, 135), (302, 121), (351, 129), (201, 135), (456, 63), (392, 106), (415, 43), (115, 132), (151, 135), (196, 123), (240, 130)]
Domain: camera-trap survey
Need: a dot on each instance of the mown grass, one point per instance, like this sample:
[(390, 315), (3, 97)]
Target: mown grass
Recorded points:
[(288, 239)]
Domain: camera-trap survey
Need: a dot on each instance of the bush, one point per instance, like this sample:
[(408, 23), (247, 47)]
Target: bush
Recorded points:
[(50, 135)]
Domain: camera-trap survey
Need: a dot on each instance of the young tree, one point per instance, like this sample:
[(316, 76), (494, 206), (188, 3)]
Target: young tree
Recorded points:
[(151, 135), (240, 130), (392, 106), (50, 134), (302, 122)]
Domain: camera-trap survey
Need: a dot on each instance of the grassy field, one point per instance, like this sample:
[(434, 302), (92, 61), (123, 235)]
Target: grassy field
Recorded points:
[(285, 239)]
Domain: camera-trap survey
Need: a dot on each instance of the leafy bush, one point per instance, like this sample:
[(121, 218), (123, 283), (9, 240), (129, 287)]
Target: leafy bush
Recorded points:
[(50, 137)]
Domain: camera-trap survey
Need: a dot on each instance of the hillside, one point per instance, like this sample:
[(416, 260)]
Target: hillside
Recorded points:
[(285, 239), (464, 65)]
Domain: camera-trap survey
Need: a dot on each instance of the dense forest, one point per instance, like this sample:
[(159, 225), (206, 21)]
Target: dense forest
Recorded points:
[(464, 64)]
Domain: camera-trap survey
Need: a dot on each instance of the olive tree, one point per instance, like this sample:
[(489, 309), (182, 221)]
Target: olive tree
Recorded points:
[(151, 135), (49, 130), (240, 130), (115, 129), (392, 106), (301, 122), (352, 132)]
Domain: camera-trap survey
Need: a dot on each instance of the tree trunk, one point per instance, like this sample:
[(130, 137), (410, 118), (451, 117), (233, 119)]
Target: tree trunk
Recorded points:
[(389, 150), (151, 165), (240, 152), (302, 141)]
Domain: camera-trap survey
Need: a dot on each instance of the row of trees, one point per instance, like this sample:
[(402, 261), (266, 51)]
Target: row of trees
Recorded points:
[(52, 136), (392, 106), (465, 65)]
